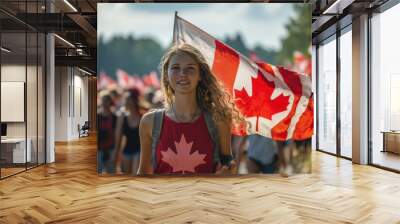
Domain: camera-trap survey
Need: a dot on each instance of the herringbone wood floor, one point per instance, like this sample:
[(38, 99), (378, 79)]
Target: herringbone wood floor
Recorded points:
[(70, 191)]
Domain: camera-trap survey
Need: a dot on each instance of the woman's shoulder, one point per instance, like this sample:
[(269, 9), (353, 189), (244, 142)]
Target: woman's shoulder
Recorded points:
[(147, 121), (148, 118)]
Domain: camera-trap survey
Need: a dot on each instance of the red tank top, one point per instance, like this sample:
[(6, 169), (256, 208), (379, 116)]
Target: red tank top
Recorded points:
[(106, 131), (184, 147)]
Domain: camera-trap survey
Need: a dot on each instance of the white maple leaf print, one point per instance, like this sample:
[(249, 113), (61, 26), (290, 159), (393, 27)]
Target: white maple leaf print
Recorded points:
[(182, 160)]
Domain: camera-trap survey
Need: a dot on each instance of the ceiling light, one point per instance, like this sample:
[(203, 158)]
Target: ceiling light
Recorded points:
[(84, 71), (64, 40), (70, 5), (79, 51), (5, 50), (337, 7), (332, 7)]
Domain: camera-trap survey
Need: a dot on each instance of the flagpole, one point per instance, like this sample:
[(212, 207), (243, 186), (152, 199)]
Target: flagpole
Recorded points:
[(175, 32)]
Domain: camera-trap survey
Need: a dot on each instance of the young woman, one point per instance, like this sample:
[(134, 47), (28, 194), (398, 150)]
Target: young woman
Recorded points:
[(127, 135), (195, 103)]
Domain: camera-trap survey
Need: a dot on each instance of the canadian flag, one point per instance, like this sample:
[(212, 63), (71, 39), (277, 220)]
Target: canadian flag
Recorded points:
[(104, 81), (123, 78), (137, 83), (152, 80), (301, 63), (276, 102)]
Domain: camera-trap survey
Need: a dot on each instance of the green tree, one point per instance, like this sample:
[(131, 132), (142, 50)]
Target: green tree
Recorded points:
[(135, 56), (267, 55), (237, 42), (298, 34)]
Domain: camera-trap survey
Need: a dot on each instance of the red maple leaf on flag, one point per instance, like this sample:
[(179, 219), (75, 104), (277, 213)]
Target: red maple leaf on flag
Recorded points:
[(260, 103), (182, 160)]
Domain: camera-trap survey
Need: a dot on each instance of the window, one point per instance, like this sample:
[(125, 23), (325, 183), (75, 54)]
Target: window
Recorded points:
[(327, 96), (22, 76), (346, 93), (385, 89)]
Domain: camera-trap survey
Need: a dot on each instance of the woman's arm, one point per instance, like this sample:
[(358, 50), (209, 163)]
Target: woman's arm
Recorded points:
[(118, 142), (238, 147), (145, 129), (224, 133)]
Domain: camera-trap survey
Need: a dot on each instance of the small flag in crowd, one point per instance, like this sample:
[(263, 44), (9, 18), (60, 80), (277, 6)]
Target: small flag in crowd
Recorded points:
[(151, 79), (301, 63), (128, 81), (104, 81), (124, 79), (276, 101)]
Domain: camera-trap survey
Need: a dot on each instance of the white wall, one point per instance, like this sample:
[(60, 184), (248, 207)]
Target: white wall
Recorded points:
[(61, 103), (12, 73), (71, 94), (33, 126), (16, 73)]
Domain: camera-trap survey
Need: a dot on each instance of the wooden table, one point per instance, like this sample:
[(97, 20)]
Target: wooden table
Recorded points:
[(391, 141), (13, 150)]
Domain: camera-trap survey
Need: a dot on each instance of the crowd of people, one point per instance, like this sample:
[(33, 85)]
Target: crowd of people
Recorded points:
[(194, 109), (119, 114)]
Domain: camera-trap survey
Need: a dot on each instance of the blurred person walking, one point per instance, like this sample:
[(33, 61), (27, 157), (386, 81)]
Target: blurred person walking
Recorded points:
[(127, 135), (285, 150), (106, 135), (261, 155), (239, 146)]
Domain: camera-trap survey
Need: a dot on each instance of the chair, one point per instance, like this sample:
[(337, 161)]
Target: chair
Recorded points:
[(84, 130)]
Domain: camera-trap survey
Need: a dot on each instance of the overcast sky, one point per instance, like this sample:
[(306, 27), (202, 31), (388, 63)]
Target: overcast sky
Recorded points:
[(259, 23)]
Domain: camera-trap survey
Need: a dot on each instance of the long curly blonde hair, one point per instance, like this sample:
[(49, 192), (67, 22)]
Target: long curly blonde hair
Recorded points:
[(210, 93)]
